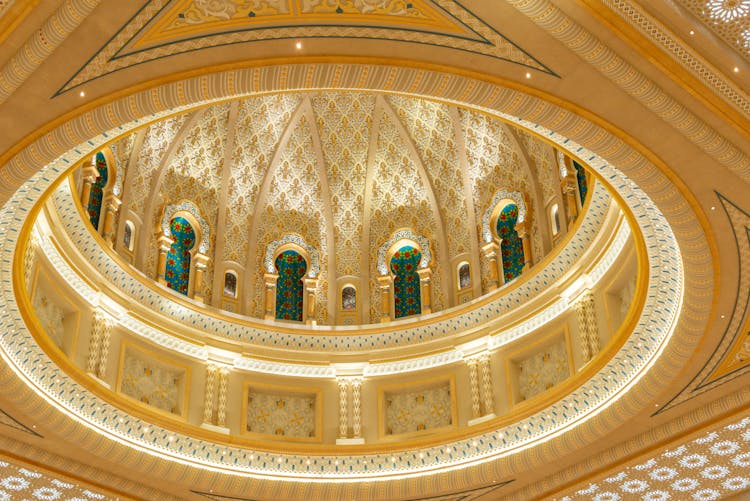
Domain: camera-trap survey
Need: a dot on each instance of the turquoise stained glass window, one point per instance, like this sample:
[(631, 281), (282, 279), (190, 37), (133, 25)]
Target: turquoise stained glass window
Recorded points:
[(291, 267), (406, 293), (177, 273), (583, 187), (511, 246), (94, 206)]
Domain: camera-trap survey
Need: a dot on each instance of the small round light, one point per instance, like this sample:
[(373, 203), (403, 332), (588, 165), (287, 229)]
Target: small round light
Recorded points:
[(528, 74), (421, 455), (298, 45), (82, 94), (279, 460), (692, 32), (736, 69)]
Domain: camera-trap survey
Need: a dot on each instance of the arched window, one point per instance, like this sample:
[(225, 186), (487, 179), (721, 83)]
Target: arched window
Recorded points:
[(96, 196), (406, 292), (291, 268), (582, 183), (177, 273), (464, 276), (127, 235), (511, 246), (554, 218), (349, 298), (230, 284)]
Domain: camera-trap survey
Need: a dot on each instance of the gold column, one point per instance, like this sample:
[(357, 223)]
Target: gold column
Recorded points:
[(165, 243), (570, 189), (89, 177), (491, 252), (523, 234), (310, 287), (386, 287), (270, 280), (425, 289), (201, 263), (112, 205)]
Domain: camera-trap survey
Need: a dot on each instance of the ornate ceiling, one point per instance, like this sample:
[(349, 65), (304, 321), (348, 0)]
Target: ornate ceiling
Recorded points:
[(389, 111)]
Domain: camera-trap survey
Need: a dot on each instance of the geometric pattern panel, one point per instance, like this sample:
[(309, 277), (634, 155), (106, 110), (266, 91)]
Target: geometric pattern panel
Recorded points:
[(96, 195), (406, 291), (716, 465), (511, 245), (418, 410), (281, 415), (177, 273), (152, 382), (163, 28), (291, 267), (542, 371), (25, 482)]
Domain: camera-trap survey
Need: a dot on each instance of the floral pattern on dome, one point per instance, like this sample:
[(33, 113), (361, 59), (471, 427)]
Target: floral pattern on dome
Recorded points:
[(406, 293), (511, 245), (96, 196), (177, 273), (291, 267)]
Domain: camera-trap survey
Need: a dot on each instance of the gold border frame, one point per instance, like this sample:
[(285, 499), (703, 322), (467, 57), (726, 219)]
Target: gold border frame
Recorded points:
[(413, 386), (317, 392), (544, 340), (58, 287), (126, 344)]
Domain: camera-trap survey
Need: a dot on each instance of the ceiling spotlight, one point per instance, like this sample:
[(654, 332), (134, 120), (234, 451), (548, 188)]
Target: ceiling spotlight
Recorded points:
[(82, 94), (736, 69), (692, 32), (528, 74), (298, 45)]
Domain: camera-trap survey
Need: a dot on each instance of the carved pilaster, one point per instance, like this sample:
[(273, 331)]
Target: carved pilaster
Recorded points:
[(221, 411), (209, 394), (485, 375), (588, 325), (474, 388), (356, 408), (343, 408)]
